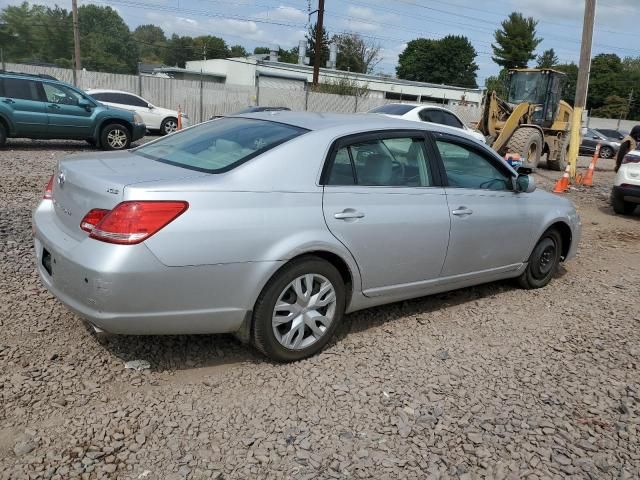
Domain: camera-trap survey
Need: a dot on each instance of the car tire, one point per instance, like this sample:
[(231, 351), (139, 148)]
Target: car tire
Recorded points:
[(115, 136), (527, 141), (606, 152), (543, 261), (621, 207), (3, 134), (169, 125), (297, 287)]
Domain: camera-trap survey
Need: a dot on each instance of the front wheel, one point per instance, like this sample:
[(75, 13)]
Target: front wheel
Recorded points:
[(606, 152), (527, 141), (169, 125), (543, 262), (299, 310), (115, 137)]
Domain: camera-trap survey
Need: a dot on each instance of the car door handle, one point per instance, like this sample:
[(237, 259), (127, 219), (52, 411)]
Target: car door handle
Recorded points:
[(348, 214), (462, 211), (54, 106), (9, 100)]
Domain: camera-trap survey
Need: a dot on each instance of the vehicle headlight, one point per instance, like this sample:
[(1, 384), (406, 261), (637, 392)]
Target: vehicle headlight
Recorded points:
[(137, 119)]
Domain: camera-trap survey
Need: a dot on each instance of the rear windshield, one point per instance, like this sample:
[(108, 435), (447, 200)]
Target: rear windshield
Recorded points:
[(219, 145), (393, 109)]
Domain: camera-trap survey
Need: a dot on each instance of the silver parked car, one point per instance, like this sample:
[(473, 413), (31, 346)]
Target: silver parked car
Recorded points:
[(274, 225)]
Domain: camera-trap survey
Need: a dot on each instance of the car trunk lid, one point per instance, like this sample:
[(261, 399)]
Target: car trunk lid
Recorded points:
[(85, 182)]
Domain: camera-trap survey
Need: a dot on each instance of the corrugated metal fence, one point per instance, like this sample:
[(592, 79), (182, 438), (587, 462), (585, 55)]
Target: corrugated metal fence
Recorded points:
[(201, 100)]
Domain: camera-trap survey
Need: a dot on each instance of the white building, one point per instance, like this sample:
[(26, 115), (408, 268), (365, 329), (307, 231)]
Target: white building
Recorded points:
[(272, 74)]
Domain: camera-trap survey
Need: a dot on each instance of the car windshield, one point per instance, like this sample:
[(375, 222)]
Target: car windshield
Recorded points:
[(219, 145), (528, 87), (393, 109)]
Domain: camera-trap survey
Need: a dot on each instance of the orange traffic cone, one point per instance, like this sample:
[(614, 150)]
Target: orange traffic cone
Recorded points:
[(562, 185), (179, 126), (588, 178)]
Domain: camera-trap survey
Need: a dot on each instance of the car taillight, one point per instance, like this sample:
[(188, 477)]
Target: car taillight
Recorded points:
[(631, 159), (92, 219), (134, 221), (48, 190)]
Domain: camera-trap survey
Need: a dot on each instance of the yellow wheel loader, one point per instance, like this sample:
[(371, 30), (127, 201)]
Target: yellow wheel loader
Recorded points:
[(533, 121)]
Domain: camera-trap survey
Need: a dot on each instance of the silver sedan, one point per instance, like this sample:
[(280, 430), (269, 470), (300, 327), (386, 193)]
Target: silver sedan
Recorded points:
[(274, 225)]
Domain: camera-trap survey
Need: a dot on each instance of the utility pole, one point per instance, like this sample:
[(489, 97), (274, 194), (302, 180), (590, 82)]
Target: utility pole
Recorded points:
[(583, 83), (76, 40), (317, 54), (629, 102)]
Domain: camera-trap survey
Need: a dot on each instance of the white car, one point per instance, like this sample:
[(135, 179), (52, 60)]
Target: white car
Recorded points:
[(427, 113), (625, 196), (156, 119)]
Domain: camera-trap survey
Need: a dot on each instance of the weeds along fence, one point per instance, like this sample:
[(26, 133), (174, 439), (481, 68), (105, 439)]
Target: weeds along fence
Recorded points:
[(201, 100)]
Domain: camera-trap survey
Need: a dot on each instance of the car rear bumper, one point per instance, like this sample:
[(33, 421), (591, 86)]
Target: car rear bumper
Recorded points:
[(628, 193), (125, 289), (138, 131)]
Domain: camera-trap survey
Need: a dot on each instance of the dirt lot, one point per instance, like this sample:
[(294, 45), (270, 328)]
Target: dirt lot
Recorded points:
[(487, 382)]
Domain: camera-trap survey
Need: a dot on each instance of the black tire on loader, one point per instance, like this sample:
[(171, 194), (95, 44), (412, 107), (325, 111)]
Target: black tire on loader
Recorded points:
[(527, 141), (559, 161)]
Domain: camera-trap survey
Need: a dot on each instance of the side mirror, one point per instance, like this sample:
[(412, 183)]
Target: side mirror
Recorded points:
[(150, 107), (525, 184), (86, 104)]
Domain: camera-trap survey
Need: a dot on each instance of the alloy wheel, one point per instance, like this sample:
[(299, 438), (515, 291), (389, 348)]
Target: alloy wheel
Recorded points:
[(170, 126), (117, 139), (606, 152), (304, 311)]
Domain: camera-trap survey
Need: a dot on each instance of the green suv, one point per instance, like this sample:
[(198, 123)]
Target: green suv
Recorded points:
[(39, 106)]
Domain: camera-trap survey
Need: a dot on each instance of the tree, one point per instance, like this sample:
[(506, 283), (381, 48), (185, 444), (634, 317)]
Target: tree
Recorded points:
[(209, 46), (179, 50), (548, 59), (107, 43), (288, 56), (570, 82), (515, 42), (614, 107), (238, 51), (151, 43), (498, 84), (355, 54), (261, 50), (450, 60), (605, 79), (324, 47)]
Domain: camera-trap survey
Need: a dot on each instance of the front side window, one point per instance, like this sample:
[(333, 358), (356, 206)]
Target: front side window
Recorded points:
[(451, 120), (130, 100), (392, 162), (431, 115), (20, 89), (61, 95), (465, 167), (219, 146)]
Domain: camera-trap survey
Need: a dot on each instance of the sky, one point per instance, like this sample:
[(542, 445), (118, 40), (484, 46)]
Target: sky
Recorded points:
[(388, 23)]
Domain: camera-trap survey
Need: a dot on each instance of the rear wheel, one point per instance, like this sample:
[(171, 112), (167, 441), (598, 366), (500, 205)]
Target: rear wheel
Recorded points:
[(606, 152), (299, 310), (169, 125), (3, 134), (621, 207), (527, 141), (115, 137), (543, 262)]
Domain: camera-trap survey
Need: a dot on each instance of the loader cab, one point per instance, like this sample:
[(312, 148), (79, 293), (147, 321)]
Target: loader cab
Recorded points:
[(542, 88)]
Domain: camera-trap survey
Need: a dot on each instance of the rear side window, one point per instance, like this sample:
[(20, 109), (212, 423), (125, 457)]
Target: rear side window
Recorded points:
[(20, 89), (393, 109), (391, 162), (451, 120), (219, 145), (130, 100)]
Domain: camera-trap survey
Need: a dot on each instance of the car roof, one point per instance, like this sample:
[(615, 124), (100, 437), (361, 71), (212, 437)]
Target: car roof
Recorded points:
[(348, 122), (106, 90), (422, 105)]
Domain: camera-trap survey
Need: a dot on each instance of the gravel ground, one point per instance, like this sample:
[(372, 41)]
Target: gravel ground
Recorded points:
[(486, 382)]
